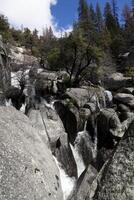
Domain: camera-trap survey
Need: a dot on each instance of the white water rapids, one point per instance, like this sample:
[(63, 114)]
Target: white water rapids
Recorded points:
[(67, 183)]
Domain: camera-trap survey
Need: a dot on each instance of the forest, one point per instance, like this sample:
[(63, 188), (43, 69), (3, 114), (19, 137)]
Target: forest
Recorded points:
[(97, 45)]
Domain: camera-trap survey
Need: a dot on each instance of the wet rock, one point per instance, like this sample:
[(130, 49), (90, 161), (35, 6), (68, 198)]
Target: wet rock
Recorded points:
[(117, 177), (84, 182), (64, 155), (105, 130), (27, 168), (85, 147), (69, 116)]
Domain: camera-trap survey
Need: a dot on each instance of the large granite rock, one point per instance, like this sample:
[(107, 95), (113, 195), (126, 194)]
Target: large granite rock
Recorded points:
[(117, 80), (117, 180), (108, 127), (84, 95), (20, 57), (27, 168), (16, 95), (69, 115), (52, 130), (127, 99), (126, 90)]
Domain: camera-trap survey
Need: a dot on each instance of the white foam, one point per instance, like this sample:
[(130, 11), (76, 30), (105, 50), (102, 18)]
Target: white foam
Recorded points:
[(78, 159), (23, 107), (67, 183), (8, 102)]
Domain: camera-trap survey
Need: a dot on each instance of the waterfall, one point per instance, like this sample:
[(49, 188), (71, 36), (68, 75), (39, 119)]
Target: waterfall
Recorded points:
[(67, 183), (109, 97), (8, 102), (48, 105), (23, 107), (78, 159), (94, 150)]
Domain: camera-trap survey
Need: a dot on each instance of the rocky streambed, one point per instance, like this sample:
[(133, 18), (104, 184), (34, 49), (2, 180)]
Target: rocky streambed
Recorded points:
[(62, 143)]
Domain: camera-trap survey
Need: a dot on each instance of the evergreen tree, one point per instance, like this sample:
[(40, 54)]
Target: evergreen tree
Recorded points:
[(115, 10), (84, 21), (92, 14), (110, 20), (129, 27), (99, 18), (27, 39), (5, 28)]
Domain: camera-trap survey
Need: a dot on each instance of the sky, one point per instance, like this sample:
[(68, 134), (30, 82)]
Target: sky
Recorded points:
[(59, 14)]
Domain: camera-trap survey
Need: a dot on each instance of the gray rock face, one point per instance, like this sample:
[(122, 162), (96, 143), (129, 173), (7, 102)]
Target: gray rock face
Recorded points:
[(117, 81), (108, 122), (69, 117), (52, 130), (127, 99), (19, 57), (27, 168), (126, 90), (5, 76), (117, 182), (49, 82), (85, 95), (108, 127)]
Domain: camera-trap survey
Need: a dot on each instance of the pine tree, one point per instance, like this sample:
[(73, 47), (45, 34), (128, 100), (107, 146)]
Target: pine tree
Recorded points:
[(99, 18), (110, 20), (115, 10), (129, 27), (92, 14), (84, 21)]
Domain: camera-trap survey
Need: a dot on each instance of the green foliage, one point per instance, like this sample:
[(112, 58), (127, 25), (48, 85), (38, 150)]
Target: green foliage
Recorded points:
[(99, 18), (53, 58), (130, 72), (4, 28), (93, 36), (110, 20)]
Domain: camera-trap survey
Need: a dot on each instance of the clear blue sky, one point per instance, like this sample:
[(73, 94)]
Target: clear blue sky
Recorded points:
[(65, 12)]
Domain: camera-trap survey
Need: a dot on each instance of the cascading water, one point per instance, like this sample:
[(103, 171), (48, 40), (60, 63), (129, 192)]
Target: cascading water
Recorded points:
[(109, 97), (23, 108), (67, 183), (8, 102), (48, 105), (94, 150), (78, 159), (76, 151)]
